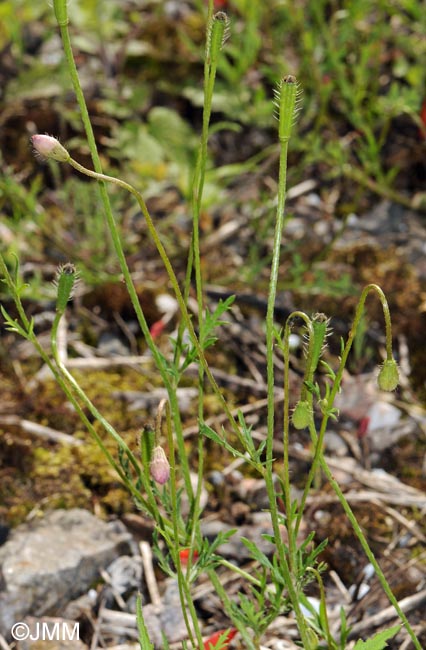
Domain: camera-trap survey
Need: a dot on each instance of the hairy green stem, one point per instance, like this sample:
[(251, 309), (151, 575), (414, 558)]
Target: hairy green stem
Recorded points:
[(141, 473), (320, 460), (286, 116), (197, 192), (174, 547), (292, 531), (173, 281), (119, 250)]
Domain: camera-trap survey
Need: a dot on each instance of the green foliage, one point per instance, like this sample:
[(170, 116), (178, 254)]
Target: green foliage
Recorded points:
[(266, 598), (18, 202), (155, 146), (213, 320), (209, 554), (319, 279), (88, 243), (378, 641), (12, 325), (144, 641), (161, 150), (14, 15), (207, 431)]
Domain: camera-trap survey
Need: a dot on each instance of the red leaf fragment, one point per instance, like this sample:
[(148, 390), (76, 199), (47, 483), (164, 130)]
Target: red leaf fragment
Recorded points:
[(423, 120), (184, 555), (210, 644), (157, 328), (363, 427)]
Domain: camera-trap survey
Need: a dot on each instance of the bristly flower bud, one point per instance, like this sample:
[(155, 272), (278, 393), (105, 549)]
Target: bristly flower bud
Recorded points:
[(388, 378), (49, 147), (302, 415), (216, 36), (65, 281), (287, 96), (159, 466)]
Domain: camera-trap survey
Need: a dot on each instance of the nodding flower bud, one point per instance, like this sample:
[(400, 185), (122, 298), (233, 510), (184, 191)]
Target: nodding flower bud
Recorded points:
[(388, 378), (159, 466), (49, 147), (302, 415)]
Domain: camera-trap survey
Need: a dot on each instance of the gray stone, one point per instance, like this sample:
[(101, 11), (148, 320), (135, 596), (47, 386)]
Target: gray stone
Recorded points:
[(110, 345), (334, 444), (171, 616), (126, 574), (48, 562)]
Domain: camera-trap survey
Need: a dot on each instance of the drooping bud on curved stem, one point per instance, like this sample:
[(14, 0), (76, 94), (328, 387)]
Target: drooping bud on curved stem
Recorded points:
[(388, 378), (50, 148)]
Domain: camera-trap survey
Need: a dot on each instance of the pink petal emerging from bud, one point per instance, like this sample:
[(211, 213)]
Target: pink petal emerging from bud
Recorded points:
[(159, 466), (50, 147)]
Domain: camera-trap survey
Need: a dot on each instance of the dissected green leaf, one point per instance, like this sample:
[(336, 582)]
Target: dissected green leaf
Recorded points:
[(378, 641)]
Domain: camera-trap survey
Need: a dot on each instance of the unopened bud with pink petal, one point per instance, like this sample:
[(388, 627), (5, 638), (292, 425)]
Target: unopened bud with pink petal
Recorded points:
[(159, 466), (49, 147)]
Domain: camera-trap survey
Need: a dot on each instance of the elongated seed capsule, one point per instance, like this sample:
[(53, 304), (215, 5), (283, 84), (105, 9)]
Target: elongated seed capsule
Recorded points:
[(285, 100), (65, 281), (320, 328), (147, 440), (216, 36)]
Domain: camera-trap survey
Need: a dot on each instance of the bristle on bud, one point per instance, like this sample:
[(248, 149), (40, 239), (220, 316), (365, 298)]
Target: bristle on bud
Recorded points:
[(287, 101), (65, 280), (50, 148), (217, 33)]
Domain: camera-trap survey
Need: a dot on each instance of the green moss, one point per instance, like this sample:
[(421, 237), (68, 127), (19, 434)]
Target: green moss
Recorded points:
[(54, 475), (48, 475)]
